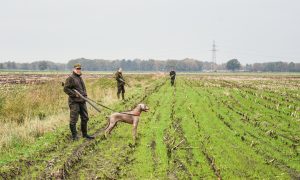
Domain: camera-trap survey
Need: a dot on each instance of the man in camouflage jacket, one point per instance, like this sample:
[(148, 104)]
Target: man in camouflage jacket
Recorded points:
[(77, 105)]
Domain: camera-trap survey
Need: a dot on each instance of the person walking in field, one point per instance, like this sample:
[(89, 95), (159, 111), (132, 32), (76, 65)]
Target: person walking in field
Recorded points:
[(120, 83), (172, 76), (77, 105)]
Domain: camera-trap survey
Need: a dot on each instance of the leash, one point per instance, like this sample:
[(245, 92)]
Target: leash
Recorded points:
[(87, 100), (90, 102)]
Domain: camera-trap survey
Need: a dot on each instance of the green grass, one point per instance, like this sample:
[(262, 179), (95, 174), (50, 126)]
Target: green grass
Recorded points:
[(221, 142)]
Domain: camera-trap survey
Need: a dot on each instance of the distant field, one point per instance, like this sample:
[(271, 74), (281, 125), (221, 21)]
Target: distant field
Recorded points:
[(34, 77), (209, 126)]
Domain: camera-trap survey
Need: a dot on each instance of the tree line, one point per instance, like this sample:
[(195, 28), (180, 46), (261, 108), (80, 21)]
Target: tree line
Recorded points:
[(185, 65)]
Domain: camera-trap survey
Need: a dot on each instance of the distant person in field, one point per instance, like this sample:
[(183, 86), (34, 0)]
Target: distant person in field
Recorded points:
[(172, 76), (120, 83), (77, 105)]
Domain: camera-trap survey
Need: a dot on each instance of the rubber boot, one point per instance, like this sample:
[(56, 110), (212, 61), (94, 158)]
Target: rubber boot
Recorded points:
[(118, 96), (74, 132), (84, 131), (123, 98)]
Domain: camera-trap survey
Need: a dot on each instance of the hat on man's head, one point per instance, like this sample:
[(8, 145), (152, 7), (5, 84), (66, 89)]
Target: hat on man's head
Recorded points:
[(77, 65)]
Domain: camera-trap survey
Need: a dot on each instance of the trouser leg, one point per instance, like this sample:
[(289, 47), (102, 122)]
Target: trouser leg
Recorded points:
[(74, 113), (84, 120)]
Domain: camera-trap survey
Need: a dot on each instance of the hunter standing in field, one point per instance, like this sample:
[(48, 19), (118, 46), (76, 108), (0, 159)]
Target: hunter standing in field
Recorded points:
[(77, 105), (172, 76), (120, 83)]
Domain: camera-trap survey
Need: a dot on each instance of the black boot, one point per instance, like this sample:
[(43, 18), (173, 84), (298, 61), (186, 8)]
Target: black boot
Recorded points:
[(74, 132), (118, 96), (84, 131), (123, 98)]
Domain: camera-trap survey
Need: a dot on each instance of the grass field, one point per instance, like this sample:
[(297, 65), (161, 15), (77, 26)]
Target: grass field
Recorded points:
[(221, 126)]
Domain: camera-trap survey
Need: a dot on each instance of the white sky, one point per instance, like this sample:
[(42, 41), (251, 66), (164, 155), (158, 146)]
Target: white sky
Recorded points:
[(60, 30)]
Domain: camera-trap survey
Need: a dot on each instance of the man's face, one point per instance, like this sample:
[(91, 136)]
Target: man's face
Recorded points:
[(120, 69), (77, 70)]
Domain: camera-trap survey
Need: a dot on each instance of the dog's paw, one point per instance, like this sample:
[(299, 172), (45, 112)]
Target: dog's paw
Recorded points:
[(103, 137), (131, 145)]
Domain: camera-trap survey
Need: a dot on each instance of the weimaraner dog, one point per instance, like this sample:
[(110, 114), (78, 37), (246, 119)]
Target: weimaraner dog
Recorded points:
[(130, 117)]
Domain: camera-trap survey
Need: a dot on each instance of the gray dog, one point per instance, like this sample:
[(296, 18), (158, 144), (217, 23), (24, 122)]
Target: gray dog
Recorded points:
[(130, 117)]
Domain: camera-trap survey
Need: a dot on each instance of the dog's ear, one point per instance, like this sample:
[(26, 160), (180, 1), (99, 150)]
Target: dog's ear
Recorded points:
[(141, 106), (146, 107)]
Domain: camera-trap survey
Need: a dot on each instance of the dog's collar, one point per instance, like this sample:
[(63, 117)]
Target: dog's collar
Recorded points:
[(137, 113)]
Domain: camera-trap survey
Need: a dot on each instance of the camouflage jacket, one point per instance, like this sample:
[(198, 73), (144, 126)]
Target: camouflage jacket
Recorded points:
[(119, 78), (172, 74), (75, 82)]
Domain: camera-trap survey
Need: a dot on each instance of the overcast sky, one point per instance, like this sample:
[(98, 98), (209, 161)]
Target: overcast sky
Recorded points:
[(60, 30)]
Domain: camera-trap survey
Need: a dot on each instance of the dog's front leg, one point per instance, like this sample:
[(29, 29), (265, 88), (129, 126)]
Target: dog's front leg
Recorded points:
[(134, 133), (134, 130)]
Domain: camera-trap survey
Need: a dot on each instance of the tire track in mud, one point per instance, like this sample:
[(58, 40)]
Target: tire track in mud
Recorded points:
[(173, 138), (64, 170), (152, 144), (211, 161), (277, 164), (209, 158)]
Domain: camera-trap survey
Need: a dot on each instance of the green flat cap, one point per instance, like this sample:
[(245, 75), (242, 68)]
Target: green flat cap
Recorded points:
[(77, 65)]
